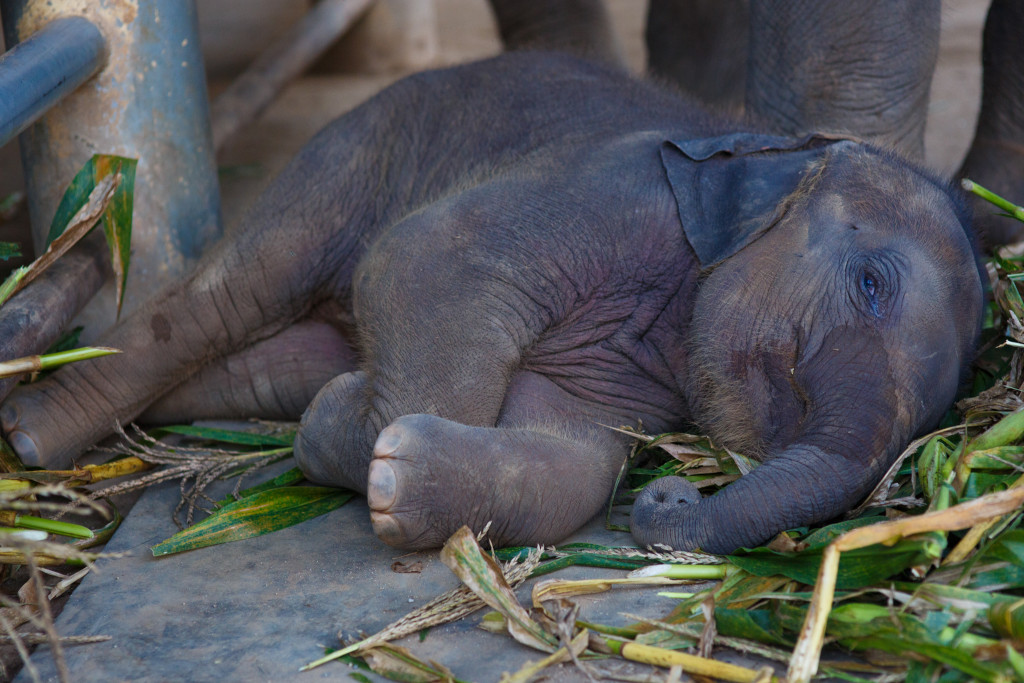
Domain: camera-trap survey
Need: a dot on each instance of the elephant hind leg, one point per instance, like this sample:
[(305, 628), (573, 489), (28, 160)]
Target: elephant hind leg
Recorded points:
[(274, 379), (540, 474)]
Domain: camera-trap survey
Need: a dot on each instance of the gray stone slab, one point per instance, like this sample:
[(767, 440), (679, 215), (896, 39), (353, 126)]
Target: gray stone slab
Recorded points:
[(259, 609)]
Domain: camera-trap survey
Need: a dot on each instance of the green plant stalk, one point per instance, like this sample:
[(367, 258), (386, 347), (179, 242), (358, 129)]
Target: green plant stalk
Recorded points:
[(988, 195), (685, 571), (21, 366), (52, 526), (11, 283), (54, 360), (657, 656), (620, 631), (1008, 430)]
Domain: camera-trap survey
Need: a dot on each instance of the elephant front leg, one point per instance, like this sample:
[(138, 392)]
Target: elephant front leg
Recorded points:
[(536, 477)]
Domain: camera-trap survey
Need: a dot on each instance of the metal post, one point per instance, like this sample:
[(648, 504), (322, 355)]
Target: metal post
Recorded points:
[(148, 102), (41, 71)]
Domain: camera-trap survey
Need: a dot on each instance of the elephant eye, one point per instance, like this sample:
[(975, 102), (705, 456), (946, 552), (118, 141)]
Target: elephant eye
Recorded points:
[(867, 284), (870, 285)]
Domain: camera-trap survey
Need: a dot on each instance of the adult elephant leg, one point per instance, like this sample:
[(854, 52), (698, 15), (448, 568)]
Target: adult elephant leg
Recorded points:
[(580, 27), (538, 475), (700, 45), (275, 379), (996, 157), (849, 67)]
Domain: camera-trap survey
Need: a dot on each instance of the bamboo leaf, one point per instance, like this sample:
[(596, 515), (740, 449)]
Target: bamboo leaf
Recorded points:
[(78, 226), (857, 568), (555, 589), (9, 250), (228, 435), (399, 664), (117, 219), (286, 478), (758, 624), (481, 574), (12, 284), (116, 214), (255, 515)]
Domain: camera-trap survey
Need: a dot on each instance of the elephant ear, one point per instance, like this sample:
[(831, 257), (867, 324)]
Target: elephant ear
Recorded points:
[(728, 188)]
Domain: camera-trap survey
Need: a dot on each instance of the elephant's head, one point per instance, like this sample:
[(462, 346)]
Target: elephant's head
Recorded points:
[(840, 303)]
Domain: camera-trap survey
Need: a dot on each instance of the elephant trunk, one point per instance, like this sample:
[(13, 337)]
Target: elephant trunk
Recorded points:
[(800, 486)]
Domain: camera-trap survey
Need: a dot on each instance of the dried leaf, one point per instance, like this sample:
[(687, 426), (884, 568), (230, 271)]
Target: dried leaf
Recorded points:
[(557, 589), (562, 654), (398, 663), (482, 575), (402, 568), (78, 226)]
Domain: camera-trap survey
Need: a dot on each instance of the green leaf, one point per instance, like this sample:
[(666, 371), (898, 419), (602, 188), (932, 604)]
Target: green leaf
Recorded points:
[(9, 250), (117, 219), (827, 534), (66, 341), (857, 568), (229, 436), (1009, 547), (287, 478), (756, 624), (898, 644), (256, 515), (11, 283)]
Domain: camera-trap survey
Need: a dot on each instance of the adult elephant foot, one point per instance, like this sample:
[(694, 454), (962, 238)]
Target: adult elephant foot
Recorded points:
[(997, 165), (996, 158)]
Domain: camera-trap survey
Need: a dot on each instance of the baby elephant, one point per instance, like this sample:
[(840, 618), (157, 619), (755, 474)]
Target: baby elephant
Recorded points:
[(475, 271)]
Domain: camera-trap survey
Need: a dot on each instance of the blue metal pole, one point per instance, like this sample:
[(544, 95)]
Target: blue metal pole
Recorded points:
[(38, 73), (148, 102)]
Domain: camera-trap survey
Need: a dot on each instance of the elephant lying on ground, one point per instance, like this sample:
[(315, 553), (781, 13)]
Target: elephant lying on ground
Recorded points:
[(478, 289)]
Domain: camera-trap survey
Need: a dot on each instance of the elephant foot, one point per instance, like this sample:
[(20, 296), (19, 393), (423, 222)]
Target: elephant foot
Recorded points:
[(999, 167), (39, 437), (22, 440), (408, 508), (334, 442), (657, 510)]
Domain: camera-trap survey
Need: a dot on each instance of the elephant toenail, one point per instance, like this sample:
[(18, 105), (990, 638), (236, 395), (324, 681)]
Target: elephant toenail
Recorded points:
[(382, 486), (25, 446), (386, 528), (388, 442)]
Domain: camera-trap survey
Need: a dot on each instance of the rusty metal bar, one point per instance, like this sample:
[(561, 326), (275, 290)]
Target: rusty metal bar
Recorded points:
[(148, 102)]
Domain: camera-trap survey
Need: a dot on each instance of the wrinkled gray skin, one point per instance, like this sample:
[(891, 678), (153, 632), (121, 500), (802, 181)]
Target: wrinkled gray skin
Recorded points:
[(482, 287), (796, 66)]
